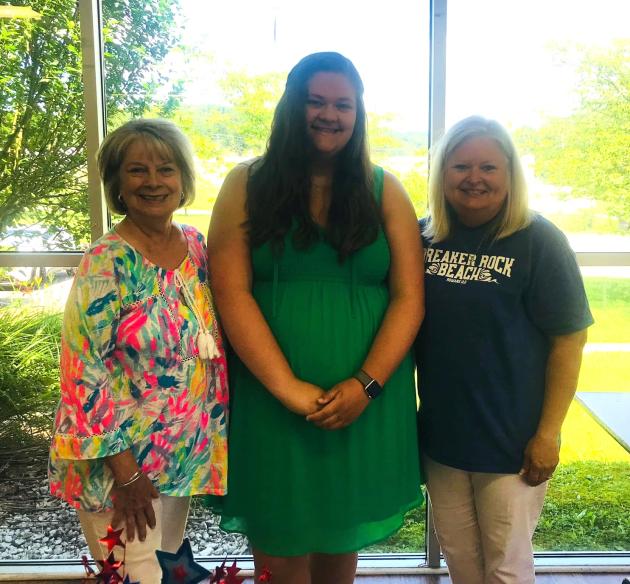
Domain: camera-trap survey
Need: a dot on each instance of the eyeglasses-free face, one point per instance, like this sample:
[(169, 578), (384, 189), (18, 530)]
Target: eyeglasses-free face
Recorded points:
[(331, 112), (476, 180), (150, 185)]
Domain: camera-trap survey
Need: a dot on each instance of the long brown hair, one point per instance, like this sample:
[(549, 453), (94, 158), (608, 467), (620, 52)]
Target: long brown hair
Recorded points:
[(278, 186)]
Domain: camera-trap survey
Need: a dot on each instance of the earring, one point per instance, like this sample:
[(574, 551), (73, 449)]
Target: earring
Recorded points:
[(181, 199)]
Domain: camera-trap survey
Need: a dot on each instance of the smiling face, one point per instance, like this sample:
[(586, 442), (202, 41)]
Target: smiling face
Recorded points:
[(150, 183), (476, 180), (331, 112)]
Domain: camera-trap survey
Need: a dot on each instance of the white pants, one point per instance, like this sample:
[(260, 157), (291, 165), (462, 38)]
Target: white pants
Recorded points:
[(484, 523), (141, 563)]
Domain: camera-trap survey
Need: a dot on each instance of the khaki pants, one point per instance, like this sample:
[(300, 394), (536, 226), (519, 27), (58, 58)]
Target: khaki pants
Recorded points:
[(141, 563), (484, 523)]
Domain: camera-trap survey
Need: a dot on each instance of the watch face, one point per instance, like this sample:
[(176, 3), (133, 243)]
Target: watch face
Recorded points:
[(373, 389), (371, 386)]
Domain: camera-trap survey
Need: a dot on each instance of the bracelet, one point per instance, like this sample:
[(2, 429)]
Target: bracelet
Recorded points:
[(132, 479)]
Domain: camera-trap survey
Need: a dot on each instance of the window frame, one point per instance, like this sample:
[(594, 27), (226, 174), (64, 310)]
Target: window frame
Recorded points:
[(92, 51)]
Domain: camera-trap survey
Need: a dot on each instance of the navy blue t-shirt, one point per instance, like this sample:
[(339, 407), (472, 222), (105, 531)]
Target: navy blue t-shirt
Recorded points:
[(491, 308)]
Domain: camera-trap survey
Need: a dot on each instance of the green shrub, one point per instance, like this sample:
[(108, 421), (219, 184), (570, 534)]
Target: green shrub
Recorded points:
[(29, 371)]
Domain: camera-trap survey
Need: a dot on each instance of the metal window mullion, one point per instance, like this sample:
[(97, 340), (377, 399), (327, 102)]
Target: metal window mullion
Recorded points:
[(90, 17), (603, 258), (437, 69), (29, 259), (69, 259), (437, 117), (432, 543)]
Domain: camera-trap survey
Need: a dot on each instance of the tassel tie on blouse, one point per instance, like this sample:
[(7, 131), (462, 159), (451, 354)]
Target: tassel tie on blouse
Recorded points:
[(206, 343)]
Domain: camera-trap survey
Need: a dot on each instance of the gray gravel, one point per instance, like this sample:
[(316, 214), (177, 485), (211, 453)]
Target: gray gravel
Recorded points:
[(34, 526)]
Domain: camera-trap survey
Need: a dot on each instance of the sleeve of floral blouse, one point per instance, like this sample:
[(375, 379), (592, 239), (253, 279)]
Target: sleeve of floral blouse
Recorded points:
[(87, 423)]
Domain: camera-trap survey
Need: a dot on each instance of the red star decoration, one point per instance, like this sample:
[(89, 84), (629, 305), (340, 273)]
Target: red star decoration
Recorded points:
[(265, 575), (218, 575), (112, 539), (109, 571), (230, 575)]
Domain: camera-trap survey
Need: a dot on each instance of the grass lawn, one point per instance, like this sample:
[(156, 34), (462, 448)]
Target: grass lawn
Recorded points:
[(587, 508)]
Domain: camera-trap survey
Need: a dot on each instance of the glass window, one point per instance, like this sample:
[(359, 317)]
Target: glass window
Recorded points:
[(45, 287), (586, 506), (556, 74), (43, 207), (218, 75), (43, 204), (229, 72), (32, 525), (559, 84), (224, 75)]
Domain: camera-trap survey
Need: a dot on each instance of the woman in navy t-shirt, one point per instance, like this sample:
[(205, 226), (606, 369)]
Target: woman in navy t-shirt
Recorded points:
[(498, 354)]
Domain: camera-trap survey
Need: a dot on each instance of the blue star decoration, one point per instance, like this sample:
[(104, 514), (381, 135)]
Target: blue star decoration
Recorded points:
[(180, 567)]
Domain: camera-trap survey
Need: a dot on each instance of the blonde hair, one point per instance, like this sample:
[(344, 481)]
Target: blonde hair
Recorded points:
[(162, 136), (514, 215)]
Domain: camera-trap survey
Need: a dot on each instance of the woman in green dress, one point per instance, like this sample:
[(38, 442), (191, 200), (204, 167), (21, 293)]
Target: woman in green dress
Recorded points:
[(315, 260)]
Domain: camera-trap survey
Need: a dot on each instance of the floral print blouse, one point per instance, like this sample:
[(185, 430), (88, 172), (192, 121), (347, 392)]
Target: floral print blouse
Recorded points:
[(131, 377)]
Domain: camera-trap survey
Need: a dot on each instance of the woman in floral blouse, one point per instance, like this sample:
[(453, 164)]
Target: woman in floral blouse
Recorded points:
[(141, 425)]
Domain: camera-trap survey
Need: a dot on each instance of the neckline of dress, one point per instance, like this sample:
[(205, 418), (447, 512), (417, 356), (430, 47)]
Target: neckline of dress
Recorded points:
[(147, 260)]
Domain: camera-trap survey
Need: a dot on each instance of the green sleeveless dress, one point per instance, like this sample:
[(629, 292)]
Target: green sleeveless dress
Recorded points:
[(292, 487)]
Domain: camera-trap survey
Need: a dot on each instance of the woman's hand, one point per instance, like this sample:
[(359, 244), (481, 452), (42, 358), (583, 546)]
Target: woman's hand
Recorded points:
[(133, 504), (563, 367), (133, 507), (302, 398), (340, 406), (540, 459)]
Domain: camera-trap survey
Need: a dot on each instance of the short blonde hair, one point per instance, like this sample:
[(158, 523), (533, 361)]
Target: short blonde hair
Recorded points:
[(164, 137), (515, 214)]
